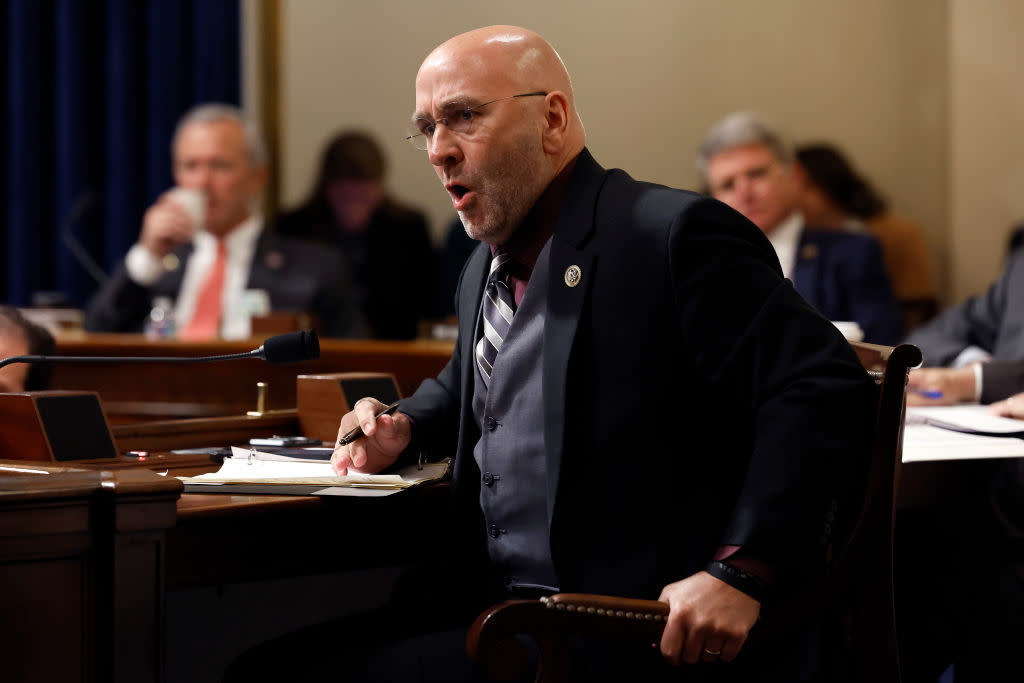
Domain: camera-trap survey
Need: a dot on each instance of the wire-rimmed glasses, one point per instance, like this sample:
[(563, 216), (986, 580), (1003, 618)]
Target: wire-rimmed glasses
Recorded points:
[(456, 117)]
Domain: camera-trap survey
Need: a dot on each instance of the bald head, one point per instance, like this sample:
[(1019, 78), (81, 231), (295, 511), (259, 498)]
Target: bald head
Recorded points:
[(513, 123), (505, 55)]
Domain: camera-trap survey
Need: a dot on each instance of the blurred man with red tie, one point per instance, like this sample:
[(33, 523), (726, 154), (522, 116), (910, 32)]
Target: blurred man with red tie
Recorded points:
[(203, 245)]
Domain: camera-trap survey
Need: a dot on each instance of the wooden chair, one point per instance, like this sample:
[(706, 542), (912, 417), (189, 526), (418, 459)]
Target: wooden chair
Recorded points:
[(857, 586)]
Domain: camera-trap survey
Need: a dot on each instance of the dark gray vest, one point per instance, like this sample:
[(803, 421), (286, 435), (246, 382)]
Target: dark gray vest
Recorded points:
[(510, 452)]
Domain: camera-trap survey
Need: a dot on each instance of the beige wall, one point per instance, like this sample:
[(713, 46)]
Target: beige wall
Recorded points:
[(986, 136), (875, 76)]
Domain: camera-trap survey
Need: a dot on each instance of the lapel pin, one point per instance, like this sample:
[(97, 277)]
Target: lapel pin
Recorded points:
[(171, 262), (573, 274), (275, 260), (809, 251)]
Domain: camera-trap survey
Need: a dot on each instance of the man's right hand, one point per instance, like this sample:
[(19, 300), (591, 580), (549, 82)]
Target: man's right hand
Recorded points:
[(383, 440), (941, 386), (165, 226)]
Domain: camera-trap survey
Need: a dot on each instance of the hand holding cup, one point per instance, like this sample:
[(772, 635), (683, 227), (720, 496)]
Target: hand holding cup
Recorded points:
[(173, 220)]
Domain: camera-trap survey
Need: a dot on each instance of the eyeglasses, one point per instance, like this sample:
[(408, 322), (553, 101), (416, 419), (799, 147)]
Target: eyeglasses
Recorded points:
[(457, 117)]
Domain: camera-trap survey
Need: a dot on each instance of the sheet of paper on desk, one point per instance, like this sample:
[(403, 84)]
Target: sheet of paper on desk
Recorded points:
[(300, 454), (974, 419), (243, 469), (924, 442)]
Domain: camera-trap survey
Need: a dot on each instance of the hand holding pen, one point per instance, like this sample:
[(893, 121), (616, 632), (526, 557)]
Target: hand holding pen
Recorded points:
[(371, 437), (941, 386)]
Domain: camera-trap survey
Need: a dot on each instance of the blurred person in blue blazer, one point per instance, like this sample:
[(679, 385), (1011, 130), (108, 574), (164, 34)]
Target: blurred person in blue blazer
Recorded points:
[(744, 163)]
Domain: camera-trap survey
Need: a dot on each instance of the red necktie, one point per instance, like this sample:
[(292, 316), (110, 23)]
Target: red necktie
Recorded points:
[(205, 323)]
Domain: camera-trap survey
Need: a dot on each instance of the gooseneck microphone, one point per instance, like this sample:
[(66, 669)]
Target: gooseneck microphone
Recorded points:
[(293, 347)]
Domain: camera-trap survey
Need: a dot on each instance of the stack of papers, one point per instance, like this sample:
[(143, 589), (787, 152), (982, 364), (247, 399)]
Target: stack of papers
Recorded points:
[(964, 432), (305, 471), (973, 419)]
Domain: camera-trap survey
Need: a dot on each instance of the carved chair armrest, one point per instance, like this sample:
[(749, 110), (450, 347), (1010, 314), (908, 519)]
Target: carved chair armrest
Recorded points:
[(492, 643)]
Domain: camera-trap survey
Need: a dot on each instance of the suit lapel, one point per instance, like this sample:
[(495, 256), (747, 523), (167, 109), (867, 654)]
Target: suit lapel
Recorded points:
[(170, 281), (570, 272), (805, 271), (803, 266), (261, 275), (471, 290)]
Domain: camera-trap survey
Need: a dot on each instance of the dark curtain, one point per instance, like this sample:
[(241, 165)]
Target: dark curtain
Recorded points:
[(92, 90)]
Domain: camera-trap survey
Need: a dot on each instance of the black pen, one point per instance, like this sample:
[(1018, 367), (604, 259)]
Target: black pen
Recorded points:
[(357, 433)]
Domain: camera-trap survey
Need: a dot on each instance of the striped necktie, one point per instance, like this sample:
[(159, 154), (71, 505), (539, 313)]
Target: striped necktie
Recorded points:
[(498, 308)]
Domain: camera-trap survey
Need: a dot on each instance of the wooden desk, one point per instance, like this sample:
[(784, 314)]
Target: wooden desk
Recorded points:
[(86, 555), (82, 573), (233, 538), (144, 391)]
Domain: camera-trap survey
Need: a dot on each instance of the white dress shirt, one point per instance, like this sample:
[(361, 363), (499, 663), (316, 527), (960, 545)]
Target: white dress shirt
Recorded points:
[(786, 239), (145, 268)]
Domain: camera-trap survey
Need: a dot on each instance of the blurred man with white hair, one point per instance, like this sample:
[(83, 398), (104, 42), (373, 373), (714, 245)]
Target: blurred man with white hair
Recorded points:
[(203, 245), (745, 164)]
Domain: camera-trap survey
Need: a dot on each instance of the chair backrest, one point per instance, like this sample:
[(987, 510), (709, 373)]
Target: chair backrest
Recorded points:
[(858, 585), (860, 580)]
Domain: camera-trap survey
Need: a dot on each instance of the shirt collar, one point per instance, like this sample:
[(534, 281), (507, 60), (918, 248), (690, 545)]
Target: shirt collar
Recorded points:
[(785, 238), (241, 237)]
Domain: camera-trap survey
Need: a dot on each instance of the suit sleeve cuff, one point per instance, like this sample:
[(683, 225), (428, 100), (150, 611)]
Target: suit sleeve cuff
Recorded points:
[(142, 266)]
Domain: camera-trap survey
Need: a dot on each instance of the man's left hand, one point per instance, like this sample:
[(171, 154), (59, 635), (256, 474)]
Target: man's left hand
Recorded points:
[(1009, 407), (708, 619)]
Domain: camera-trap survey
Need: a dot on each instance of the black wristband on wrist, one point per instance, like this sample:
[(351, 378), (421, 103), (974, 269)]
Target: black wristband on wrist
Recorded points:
[(737, 578)]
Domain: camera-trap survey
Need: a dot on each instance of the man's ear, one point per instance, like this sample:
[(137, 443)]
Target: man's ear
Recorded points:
[(556, 121)]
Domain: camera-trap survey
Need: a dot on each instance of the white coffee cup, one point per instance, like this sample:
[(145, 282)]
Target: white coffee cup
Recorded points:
[(850, 329), (194, 203)]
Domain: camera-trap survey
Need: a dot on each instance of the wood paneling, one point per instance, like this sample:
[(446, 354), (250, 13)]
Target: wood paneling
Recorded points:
[(167, 391)]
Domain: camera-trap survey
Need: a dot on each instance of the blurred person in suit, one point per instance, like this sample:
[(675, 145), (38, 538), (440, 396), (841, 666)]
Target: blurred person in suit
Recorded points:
[(387, 245), (21, 337), (832, 194), (972, 350), (745, 164), (204, 245)]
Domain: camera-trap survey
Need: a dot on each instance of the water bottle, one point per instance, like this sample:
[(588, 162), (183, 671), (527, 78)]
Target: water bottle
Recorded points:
[(160, 323)]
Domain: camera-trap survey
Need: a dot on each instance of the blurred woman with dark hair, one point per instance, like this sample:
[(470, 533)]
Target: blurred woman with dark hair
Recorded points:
[(387, 245), (833, 195)]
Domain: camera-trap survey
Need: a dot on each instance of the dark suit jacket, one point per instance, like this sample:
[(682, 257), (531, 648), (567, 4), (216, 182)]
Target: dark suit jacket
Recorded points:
[(692, 398), (299, 276), (843, 275), (400, 273), (993, 321)]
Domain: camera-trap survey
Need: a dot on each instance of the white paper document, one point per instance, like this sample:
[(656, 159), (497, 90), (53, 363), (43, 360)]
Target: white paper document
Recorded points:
[(974, 419), (923, 442), (246, 466)]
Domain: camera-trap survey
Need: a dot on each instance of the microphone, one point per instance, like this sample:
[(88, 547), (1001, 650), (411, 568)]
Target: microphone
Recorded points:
[(293, 347), (290, 348)]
